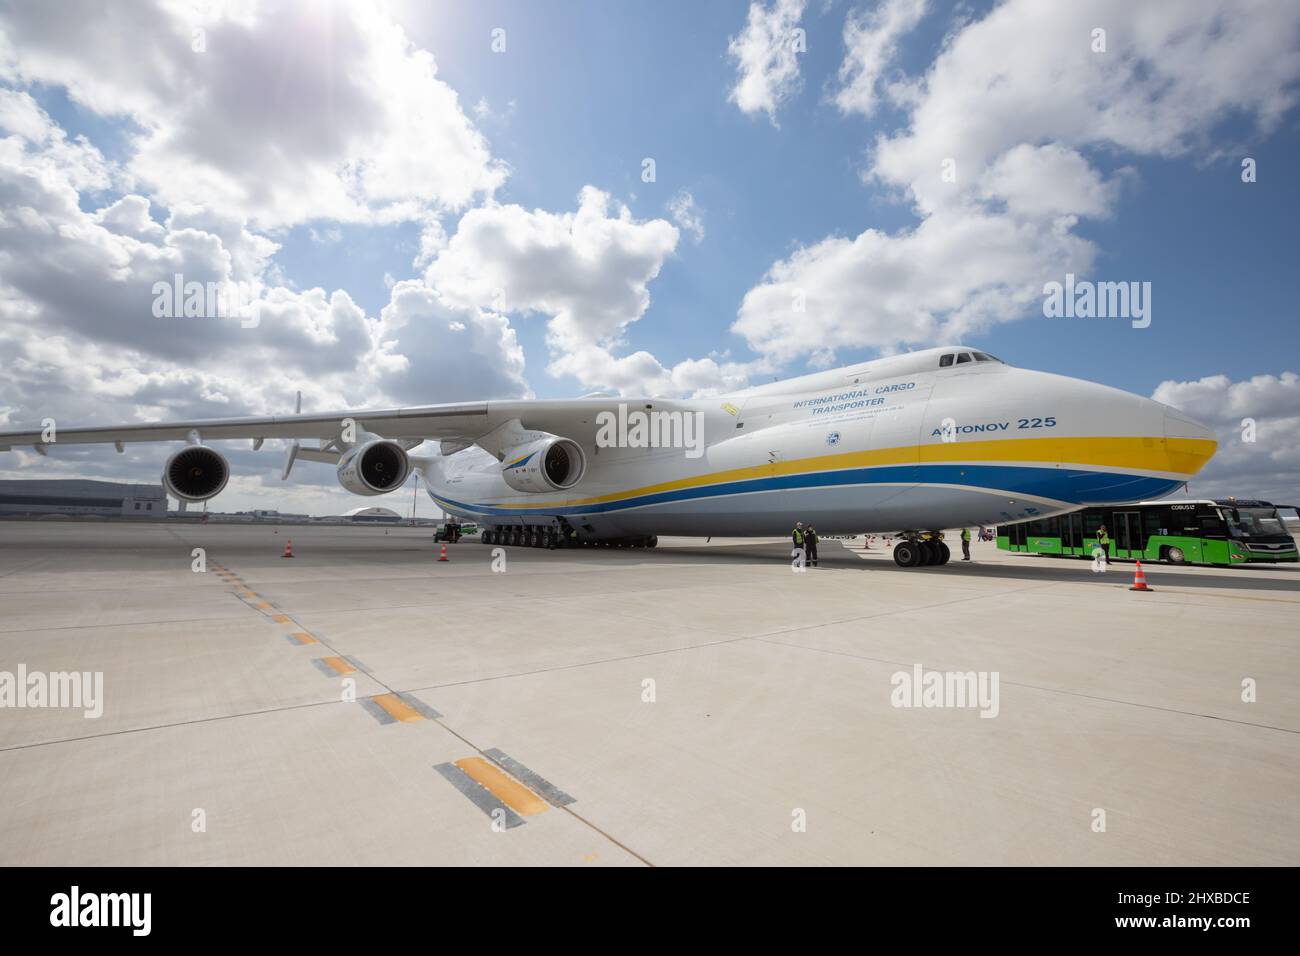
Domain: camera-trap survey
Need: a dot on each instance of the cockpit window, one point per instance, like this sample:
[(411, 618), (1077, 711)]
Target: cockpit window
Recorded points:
[(963, 357), (945, 360), (985, 357)]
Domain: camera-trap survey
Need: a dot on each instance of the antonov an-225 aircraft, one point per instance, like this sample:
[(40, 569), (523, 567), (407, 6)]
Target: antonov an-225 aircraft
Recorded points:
[(907, 444)]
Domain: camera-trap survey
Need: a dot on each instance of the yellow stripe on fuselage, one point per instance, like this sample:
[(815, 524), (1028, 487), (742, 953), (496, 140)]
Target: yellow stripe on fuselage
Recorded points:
[(1178, 456)]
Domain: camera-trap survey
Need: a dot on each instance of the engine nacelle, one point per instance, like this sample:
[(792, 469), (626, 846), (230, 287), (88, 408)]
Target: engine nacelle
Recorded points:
[(547, 464), (195, 473), (375, 468)]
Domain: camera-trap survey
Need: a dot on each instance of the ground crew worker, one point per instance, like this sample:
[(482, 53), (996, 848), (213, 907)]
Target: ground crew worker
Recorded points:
[(810, 545), (965, 544), (1103, 542), (796, 536)]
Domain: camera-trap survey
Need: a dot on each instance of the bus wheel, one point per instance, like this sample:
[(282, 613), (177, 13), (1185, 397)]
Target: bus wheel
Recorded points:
[(907, 554), (1175, 556)]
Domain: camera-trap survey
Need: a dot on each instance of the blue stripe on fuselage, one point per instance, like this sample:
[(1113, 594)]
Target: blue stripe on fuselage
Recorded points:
[(1070, 485)]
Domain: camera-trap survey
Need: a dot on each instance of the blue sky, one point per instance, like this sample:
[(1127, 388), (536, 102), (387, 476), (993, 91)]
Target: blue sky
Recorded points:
[(598, 87), (1122, 165)]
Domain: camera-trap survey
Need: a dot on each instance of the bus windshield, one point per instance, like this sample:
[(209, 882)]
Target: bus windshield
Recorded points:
[(1250, 522)]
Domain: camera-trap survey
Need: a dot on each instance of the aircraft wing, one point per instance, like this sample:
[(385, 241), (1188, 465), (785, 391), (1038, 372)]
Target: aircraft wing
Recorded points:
[(455, 423)]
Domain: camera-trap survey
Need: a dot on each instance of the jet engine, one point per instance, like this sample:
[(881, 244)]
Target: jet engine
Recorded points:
[(195, 473), (546, 464), (374, 468)]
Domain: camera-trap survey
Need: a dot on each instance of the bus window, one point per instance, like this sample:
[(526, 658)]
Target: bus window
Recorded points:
[(1258, 521), (1212, 524), (1091, 522), (1153, 518)]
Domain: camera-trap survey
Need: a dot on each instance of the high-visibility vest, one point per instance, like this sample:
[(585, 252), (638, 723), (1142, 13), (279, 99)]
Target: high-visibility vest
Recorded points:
[(1103, 537), (798, 536), (965, 534)]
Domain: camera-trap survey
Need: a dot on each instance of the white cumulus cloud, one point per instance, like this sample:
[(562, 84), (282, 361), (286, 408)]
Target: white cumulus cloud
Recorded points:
[(1264, 409), (767, 62), (998, 159), (285, 112), (871, 42)]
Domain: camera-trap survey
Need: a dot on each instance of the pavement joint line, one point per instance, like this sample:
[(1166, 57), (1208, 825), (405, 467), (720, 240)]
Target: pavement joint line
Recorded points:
[(1038, 687), (575, 666), (135, 624), (691, 647), (174, 724), (618, 843)]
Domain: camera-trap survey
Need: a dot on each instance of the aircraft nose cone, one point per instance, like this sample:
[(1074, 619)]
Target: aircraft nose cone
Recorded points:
[(1190, 443)]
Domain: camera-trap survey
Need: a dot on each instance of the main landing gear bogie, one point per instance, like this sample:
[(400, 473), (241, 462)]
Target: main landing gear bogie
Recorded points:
[(534, 536), (920, 552)]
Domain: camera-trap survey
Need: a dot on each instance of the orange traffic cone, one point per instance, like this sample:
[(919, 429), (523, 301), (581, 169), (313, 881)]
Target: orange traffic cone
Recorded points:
[(288, 549), (1140, 580), (443, 555)]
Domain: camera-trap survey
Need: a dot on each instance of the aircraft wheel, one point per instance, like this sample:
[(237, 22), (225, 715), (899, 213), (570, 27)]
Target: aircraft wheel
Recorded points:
[(652, 541), (927, 554), (942, 552), (907, 554)]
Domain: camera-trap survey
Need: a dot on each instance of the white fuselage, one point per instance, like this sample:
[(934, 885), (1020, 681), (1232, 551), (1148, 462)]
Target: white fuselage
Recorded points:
[(896, 444)]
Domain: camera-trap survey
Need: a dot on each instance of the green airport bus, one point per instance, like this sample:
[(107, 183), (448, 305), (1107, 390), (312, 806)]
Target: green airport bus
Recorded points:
[(1225, 531)]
